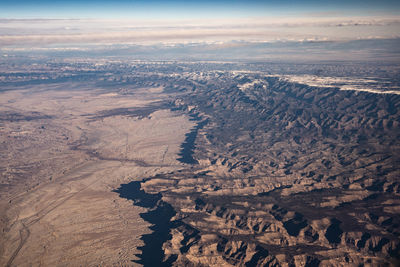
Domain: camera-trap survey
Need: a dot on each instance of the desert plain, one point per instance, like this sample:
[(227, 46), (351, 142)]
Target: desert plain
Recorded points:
[(64, 150)]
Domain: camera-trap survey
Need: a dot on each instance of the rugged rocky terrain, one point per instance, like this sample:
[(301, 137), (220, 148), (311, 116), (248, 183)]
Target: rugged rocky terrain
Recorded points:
[(269, 172), (286, 174)]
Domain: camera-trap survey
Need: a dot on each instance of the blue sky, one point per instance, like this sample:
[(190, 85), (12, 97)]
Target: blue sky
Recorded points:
[(66, 23), (358, 29), (153, 9)]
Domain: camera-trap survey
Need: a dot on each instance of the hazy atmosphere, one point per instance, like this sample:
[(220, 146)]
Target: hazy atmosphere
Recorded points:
[(307, 30)]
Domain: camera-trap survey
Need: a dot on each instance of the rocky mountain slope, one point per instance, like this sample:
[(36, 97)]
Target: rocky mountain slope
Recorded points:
[(286, 175)]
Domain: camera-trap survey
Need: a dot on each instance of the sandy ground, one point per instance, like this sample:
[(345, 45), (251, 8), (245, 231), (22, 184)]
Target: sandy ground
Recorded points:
[(61, 166)]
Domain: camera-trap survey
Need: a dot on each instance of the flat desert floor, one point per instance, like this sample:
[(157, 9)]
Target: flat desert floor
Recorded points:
[(64, 150)]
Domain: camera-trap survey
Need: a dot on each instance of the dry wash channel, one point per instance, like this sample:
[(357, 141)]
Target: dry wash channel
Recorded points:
[(65, 150)]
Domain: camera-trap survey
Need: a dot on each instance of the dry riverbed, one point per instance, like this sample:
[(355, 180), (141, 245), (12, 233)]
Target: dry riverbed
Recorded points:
[(63, 153)]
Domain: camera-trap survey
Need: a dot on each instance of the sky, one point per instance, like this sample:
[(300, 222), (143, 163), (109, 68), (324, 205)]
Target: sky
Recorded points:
[(218, 24), (153, 9)]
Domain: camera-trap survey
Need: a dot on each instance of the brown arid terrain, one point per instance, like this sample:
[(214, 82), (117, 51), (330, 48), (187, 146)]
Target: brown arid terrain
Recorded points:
[(225, 165), (64, 148), (288, 175)]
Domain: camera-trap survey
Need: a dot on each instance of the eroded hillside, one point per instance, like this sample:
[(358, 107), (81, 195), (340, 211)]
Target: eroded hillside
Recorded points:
[(231, 164), (286, 174)]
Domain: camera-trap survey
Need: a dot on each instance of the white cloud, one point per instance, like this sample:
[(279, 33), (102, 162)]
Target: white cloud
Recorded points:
[(48, 32)]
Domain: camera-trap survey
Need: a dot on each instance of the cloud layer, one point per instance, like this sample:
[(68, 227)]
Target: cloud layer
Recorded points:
[(42, 32)]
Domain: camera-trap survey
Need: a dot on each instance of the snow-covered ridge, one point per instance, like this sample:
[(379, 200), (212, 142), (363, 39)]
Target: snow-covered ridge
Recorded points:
[(370, 84), (249, 85)]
